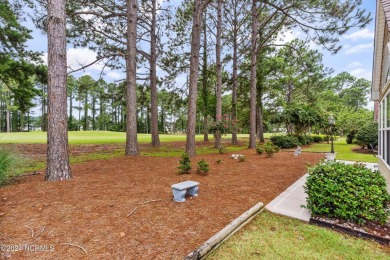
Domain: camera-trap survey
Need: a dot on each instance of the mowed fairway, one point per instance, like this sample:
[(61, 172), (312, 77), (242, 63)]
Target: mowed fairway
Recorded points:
[(96, 137)]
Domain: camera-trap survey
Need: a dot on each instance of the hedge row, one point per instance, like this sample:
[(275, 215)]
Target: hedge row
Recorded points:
[(289, 141)]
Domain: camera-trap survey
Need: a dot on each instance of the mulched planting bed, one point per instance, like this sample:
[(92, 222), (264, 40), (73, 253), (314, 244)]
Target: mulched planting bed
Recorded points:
[(122, 208)]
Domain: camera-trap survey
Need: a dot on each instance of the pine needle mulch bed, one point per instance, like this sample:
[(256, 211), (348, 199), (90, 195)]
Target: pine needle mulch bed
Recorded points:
[(122, 208)]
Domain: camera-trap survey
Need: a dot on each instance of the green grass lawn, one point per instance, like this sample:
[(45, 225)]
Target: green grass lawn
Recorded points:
[(83, 137), (343, 150), (96, 137), (270, 236)]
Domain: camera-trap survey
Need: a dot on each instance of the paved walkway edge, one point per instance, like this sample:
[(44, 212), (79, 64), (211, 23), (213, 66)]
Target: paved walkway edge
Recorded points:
[(215, 241)]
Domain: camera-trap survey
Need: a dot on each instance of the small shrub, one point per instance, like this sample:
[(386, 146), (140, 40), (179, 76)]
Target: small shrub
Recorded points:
[(6, 165), (222, 149), (185, 164), (285, 141), (305, 139), (241, 158), (317, 138), (368, 134), (219, 161), (259, 150), (349, 192), (327, 138), (270, 149), (350, 136), (203, 166)]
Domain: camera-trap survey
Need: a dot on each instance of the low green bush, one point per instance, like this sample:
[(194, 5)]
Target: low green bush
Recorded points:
[(7, 161), (259, 150), (285, 141), (222, 149), (368, 134), (203, 166), (305, 139), (317, 138), (349, 192), (184, 164), (327, 138), (270, 149)]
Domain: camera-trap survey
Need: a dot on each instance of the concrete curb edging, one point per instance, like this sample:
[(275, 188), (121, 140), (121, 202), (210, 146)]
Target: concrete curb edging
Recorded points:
[(215, 241)]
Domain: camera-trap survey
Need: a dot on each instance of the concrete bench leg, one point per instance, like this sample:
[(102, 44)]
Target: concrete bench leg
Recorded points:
[(178, 195), (193, 191)]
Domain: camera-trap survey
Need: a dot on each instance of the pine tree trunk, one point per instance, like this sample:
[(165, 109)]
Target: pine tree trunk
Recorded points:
[(70, 109), (235, 76), (153, 78), (193, 83), (260, 128), (93, 112), (58, 167), (219, 74), (252, 127), (204, 84), (8, 121), (131, 83), (86, 111)]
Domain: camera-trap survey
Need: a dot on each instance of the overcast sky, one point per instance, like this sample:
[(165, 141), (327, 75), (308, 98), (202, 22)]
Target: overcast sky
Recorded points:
[(355, 56)]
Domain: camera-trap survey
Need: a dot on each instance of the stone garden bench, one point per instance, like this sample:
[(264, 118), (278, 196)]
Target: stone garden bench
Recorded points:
[(181, 189)]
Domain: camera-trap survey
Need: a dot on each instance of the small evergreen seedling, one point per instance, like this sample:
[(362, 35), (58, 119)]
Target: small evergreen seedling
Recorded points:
[(203, 166), (270, 149), (185, 164), (259, 150)]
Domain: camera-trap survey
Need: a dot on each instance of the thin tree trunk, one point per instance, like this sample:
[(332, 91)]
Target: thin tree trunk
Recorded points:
[(70, 108), (131, 83), (8, 121), (260, 128), (235, 69), (193, 84), (79, 115), (252, 132), (57, 135), (86, 111), (204, 84), (93, 112), (28, 121), (147, 120), (153, 78), (219, 74)]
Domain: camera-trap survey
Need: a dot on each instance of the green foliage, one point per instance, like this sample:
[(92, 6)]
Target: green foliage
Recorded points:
[(185, 164), (259, 150), (349, 192), (297, 119), (285, 141), (6, 165), (368, 134), (270, 149), (203, 166), (305, 139), (317, 138), (222, 149), (221, 127), (350, 136)]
